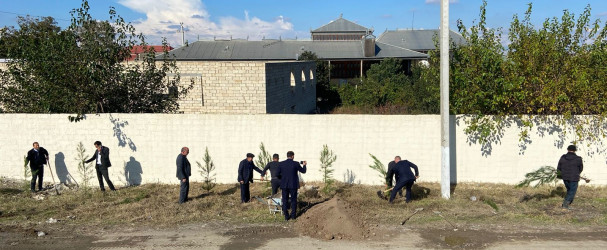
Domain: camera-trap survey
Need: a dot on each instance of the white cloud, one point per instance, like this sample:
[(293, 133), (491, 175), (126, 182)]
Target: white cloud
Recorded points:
[(438, 1), (163, 18)]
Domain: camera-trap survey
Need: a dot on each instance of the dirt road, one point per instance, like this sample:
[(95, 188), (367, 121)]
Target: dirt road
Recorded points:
[(221, 235)]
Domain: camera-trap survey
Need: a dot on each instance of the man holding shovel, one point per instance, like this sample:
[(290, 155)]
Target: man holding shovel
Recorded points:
[(37, 157), (404, 177)]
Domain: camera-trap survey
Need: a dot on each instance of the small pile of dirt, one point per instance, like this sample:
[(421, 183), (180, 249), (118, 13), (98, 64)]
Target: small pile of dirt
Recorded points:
[(336, 219)]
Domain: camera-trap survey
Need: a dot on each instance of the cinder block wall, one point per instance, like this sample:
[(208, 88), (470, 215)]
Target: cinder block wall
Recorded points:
[(223, 87), (144, 146)]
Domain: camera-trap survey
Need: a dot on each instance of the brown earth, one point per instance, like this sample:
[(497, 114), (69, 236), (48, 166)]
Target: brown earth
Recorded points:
[(337, 219)]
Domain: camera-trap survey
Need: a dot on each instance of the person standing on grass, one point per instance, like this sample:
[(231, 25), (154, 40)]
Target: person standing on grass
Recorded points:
[(273, 167), (245, 176), (404, 177), (289, 183), (37, 157), (184, 171), (570, 167), (102, 163)]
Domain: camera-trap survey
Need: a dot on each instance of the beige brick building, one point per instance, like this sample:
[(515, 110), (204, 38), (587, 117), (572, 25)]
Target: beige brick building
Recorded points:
[(248, 87)]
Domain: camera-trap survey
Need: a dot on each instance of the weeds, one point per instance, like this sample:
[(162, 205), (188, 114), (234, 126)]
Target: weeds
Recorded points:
[(156, 205)]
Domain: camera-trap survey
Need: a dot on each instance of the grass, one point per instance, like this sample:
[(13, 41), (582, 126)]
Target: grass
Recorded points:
[(156, 205)]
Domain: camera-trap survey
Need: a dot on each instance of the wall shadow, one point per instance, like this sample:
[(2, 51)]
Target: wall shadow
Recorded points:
[(349, 177), (453, 149), (488, 130), (133, 172), (61, 169), (123, 139)]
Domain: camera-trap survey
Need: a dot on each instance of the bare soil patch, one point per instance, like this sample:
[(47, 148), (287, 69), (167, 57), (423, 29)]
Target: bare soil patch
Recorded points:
[(337, 219)]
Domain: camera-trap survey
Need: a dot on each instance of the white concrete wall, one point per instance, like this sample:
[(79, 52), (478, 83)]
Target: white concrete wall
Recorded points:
[(154, 140)]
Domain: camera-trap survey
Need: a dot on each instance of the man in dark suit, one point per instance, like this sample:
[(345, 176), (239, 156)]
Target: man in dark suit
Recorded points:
[(289, 183), (404, 177), (391, 166), (273, 167), (184, 171), (102, 163), (245, 176), (570, 167), (37, 157)]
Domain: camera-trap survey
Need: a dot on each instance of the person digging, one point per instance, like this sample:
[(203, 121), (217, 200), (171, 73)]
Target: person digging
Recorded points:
[(404, 177)]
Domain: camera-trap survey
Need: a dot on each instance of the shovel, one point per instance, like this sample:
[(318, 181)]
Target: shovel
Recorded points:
[(416, 210), (439, 214), (380, 193), (52, 176)]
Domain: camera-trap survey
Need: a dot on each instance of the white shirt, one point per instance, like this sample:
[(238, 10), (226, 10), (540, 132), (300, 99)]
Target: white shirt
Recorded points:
[(98, 157)]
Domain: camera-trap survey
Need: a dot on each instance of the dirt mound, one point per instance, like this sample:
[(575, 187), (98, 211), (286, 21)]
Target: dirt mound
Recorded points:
[(336, 219)]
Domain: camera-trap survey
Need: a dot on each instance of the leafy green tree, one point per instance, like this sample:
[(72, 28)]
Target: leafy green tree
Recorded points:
[(206, 171), (555, 69), (383, 85), (82, 69)]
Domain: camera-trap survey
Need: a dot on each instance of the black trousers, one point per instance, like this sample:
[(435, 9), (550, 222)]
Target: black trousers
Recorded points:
[(37, 172), (289, 199), (102, 172), (245, 195), (275, 186), (399, 186), (184, 189)]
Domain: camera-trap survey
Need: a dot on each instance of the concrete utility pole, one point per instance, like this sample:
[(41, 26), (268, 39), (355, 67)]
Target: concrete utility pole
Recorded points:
[(445, 183)]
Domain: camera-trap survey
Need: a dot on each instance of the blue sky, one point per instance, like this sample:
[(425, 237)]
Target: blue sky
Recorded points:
[(206, 19)]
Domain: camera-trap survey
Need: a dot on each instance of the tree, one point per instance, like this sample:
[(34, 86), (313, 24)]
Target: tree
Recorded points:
[(327, 158), (206, 171), (555, 70), (85, 169), (81, 69), (327, 95), (541, 176), (379, 167), (264, 157)]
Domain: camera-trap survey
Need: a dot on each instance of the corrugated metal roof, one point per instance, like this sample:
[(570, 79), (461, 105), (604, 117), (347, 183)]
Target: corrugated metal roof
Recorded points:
[(340, 25), (286, 50), (418, 40)]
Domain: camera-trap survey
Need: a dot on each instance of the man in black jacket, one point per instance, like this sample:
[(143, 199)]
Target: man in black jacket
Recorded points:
[(390, 167), (289, 183), (102, 163), (184, 171), (37, 157), (404, 177), (570, 167), (273, 167), (245, 176)]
